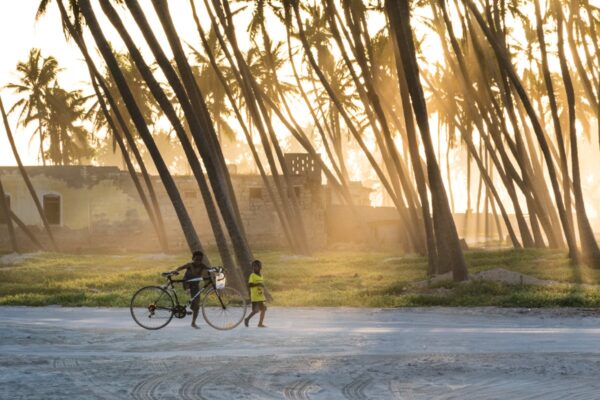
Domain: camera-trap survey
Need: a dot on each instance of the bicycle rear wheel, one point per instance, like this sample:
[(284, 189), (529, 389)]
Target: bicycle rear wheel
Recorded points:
[(152, 307), (223, 309)]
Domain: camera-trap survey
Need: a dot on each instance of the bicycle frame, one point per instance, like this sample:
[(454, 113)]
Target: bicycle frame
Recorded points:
[(171, 289)]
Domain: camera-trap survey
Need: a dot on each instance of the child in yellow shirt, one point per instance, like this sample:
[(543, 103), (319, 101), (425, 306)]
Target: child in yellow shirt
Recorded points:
[(257, 294)]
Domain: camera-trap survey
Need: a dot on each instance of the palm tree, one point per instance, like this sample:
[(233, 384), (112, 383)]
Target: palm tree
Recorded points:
[(201, 127), (258, 109), (448, 244), (119, 129), (68, 139), (171, 114), (231, 94), (141, 125), (37, 75), (590, 249), (350, 124), (508, 69)]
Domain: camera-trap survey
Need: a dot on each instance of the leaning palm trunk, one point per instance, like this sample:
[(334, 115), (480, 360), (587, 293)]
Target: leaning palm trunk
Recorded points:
[(505, 64), (140, 124), (564, 166), (169, 111), (206, 140), (375, 112), (262, 119), (481, 115), (26, 230), (152, 207), (290, 122), (448, 243), (589, 246), (398, 201), (5, 209), (280, 213), (25, 176), (421, 179), (200, 126)]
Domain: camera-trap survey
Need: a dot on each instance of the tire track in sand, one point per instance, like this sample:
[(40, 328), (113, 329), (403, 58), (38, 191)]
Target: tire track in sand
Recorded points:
[(192, 387), (147, 388), (299, 390), (355, 390)]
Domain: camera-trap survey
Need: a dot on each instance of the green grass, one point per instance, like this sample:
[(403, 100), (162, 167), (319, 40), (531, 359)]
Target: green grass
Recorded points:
[(358, 279)]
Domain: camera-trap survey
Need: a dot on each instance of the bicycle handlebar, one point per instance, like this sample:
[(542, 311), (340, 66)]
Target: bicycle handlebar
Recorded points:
[(212, 269)]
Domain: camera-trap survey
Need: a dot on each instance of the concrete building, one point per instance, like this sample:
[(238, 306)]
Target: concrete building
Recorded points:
[(98, 208)]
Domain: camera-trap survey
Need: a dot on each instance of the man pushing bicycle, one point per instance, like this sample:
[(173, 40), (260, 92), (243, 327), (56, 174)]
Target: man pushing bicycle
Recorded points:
[(194, 270)]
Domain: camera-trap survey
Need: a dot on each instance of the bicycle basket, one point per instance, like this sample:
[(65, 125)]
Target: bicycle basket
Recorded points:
[(220, 280)]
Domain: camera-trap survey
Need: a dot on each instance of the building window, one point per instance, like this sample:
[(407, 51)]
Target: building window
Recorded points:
[(256, 193), (3, 217), (52, 208)]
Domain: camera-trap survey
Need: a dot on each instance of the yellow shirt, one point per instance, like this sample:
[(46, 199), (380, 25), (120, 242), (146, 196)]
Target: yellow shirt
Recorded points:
[(256, 292)]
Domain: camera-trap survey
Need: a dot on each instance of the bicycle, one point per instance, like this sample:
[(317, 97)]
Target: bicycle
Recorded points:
[(223, 308)]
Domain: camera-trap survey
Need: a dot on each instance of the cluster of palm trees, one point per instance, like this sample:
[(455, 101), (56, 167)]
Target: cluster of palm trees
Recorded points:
[(57, 114), (517, 82)]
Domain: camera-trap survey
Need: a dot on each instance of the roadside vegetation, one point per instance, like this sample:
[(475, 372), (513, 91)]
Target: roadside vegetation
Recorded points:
[(330, 278)]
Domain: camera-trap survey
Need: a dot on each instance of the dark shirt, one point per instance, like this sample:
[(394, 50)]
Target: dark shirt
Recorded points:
[(193, 270)]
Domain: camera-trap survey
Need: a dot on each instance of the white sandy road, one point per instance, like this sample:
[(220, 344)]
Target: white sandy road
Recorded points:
[(317, 353)]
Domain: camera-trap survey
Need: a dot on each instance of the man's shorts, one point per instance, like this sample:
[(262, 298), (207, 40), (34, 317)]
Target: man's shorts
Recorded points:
[(194, 289)]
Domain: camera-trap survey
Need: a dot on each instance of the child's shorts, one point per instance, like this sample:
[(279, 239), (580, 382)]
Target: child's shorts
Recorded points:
[(258, 306)]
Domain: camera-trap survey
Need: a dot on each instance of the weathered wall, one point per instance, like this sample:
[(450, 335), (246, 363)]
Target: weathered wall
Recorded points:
[(101, 210)]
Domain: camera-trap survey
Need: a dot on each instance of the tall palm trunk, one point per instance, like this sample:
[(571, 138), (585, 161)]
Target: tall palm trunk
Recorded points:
[(415, 157), (140, 124), (564, 166), (538, 130), (206, 139), (481, 115), (201, 128), (590, 250), (376, 114), (25, 176), (446, 234), (5, 209), (398, 202), (171, 114), (280, 213), (262, 119)]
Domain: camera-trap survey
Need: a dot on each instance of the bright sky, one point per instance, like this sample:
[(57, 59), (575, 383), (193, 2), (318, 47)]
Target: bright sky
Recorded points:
[(21, 32)]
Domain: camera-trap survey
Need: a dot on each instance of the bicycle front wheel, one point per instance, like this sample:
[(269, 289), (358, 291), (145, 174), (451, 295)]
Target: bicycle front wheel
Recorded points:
[(223, 309), (152, 307)]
